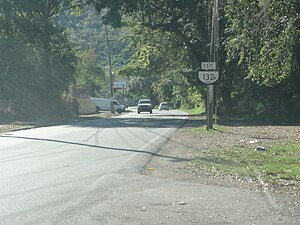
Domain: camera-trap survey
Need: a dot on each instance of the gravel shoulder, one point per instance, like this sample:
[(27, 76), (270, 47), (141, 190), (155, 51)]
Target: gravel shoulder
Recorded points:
[(186, 145)]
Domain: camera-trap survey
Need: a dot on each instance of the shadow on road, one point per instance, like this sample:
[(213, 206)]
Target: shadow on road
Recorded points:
[(152, 121), (175, 159)]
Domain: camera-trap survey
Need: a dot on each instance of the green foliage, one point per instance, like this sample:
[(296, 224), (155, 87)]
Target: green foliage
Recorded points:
[(259, 50), (37, 58), (141, 87), (186, 19), (90, 76), (262, 37), (262, 41), (195, 111), (195, 97), (87, 32), (154, 58)]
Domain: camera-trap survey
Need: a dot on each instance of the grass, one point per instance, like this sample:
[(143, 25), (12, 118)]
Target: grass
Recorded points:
[(195, 111), (282, 161), (202, 129)]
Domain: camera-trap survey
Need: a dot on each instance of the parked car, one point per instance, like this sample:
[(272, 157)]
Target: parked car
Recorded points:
[(144, 105), (163, 106)]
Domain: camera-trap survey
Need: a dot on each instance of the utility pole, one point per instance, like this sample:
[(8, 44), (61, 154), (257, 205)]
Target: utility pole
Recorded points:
[(217, 46), (111, 90), (213, 58)]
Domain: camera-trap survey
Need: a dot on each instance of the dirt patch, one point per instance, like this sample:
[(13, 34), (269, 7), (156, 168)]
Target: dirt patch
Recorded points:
[(186, 145)]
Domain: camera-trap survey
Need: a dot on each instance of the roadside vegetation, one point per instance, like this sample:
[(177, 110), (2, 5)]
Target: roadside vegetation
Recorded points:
[(252, 151), (279, 162), (195, 111)]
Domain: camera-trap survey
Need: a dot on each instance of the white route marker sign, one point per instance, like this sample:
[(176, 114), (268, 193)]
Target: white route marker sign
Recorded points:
[(208, 77), (208, 66)]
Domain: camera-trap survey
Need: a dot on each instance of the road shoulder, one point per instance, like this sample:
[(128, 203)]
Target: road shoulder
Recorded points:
[(185, 146)]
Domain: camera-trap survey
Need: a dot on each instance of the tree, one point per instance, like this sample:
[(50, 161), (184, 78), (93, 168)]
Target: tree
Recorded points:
[(262, 44), (90, 76), (155, 57), (260, 40), (183, 21), (187, 19), (38, 60), (87, 32)]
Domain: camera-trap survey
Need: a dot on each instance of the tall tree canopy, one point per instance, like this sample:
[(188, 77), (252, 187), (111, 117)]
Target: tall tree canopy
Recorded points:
[(184, 24), (262, 45), (263, 36), (87, 32), (187, 19), (155, 60)]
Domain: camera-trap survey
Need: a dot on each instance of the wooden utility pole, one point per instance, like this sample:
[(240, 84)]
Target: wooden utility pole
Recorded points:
[(111, 89), (213, 58)]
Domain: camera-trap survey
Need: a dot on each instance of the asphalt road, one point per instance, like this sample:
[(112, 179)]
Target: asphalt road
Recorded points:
[(90, 173)]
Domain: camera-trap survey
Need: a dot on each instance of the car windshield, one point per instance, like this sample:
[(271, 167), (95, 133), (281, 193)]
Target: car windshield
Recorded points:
[(144, 102)]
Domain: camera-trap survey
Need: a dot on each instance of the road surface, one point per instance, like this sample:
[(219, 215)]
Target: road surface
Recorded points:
[(90, 172)]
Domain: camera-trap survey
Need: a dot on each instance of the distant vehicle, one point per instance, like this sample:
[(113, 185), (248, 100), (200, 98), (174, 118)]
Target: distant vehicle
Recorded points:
[(163, 106), (104, 105), (144, 105)]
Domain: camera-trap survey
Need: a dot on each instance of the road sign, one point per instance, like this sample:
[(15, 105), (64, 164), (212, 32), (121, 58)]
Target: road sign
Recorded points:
[(208, 77), (208, 66), (120, 84)]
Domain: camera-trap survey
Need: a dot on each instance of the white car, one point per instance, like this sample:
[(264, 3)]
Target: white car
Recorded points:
[(144, 105), (163, 106)]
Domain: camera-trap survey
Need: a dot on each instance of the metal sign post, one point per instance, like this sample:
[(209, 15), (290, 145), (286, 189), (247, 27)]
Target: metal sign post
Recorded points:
[(209, 78), (210, 106)]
